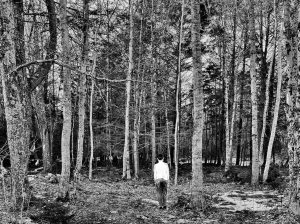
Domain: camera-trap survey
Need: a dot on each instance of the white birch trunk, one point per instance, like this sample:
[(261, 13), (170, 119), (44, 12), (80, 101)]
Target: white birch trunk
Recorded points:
[(254, 127)]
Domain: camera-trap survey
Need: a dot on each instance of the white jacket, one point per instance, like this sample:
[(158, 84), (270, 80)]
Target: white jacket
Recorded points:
[(161, 171)]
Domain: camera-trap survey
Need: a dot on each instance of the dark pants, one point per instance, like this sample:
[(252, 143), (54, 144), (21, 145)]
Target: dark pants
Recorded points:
[(161, 189)]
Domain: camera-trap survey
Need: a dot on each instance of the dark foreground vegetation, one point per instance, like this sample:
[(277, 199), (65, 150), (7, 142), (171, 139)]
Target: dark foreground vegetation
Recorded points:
[(109, 199)]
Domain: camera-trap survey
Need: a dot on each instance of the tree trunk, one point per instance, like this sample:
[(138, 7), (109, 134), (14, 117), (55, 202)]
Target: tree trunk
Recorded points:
[(255, 154), (138, 102), (178, 90), (67, 104), (241, 106), (41, 94), (266, 108), (197, 172), (235, 92), (93, 76), (291, 21), (168, 131), (16, 98), (82, 90), (91, 129), (277, 102), (153, 94), (40, 112), (126, 156)]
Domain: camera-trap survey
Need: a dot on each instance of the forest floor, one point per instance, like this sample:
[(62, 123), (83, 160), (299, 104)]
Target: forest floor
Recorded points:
[(109, 199)]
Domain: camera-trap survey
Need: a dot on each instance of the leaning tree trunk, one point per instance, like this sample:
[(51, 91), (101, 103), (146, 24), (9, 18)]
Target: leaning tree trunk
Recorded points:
[(255, 155), (126, 156), (16, 97), (67, 105), (277, 103), (82, 90), (197, 172)]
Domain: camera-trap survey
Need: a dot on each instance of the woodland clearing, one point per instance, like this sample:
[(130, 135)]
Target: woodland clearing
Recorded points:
[(109, 199)]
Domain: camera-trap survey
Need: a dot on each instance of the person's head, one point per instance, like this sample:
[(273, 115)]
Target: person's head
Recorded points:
[(160, 157)]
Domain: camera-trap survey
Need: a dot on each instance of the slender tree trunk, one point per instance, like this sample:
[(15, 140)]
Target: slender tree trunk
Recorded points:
[(178, 90), (16, 98), (153, 93), (82, 90), (235, 89), (255, 154), (126, 156), (267, 100), (67, 105), (40, 111), (197, 172), (168, 131), (93, 76), (91, 130), (227, 125), (277, 103)]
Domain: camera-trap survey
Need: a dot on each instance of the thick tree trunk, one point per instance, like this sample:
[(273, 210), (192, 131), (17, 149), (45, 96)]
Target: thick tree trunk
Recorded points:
[(197, 172), (16, 98), (291, 21), (255, 154), (82, 90), (67, 105), (126, 155)]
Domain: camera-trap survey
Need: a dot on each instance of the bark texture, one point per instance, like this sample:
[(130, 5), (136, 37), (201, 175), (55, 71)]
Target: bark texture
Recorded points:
[(82, 89), (126, 158), (16, 97), (254, 126), (198, 119), (67, 106)]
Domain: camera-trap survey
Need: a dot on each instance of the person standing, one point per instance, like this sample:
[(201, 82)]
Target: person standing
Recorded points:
[(161, 179)]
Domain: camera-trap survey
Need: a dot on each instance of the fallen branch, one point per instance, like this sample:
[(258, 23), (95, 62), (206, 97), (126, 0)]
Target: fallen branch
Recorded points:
[(150, 201)]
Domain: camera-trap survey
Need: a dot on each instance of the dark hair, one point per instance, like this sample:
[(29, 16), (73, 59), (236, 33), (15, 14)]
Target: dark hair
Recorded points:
[(160, 157)]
